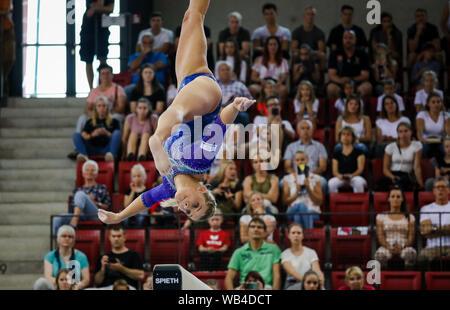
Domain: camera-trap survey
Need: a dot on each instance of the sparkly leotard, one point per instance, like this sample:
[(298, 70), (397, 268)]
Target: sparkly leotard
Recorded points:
[(192, 149)]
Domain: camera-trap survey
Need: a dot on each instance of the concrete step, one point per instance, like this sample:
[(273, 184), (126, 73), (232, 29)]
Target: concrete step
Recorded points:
[(18, 282), (24, 267), (35, 153), (46, 143), (19, 164), (36, 174), (33, 197), (8, 231), (37, 132), (31, 213), (29, 248), (27, 122), (38, 184), (17, 102), (41, 112)]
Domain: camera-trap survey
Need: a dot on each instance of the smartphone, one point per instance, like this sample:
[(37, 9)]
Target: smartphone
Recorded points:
[(275, 111), (251, 285)]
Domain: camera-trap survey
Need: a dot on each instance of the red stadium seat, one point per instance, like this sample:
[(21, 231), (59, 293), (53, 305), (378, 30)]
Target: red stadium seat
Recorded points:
[(331, 141), (105, 175), (338, 279), (333, 112), (349, 251), (169, 246), (319, 135), (321, 113), (377, 170), (380, 201), (88, 242), (122, 78), (135, 241), (437, 280), (373, 109), (125, 169), (313, 238), (427, 169), (244, 168), (425, 198), (117, 203), (349, 202), (217, 275), (405, 280)]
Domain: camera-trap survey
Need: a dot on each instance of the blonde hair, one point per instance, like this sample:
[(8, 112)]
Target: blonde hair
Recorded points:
[(220, 176), (141, 169), (108, 115), (360, 111), (353, 271), (249, 205), (298, 96)]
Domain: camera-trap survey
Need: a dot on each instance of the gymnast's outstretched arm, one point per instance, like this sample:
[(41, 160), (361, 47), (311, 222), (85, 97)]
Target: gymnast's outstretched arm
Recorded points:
[(229, 113)]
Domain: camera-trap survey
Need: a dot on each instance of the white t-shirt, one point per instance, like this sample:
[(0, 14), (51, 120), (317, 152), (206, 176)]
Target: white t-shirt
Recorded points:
[(267, 218), (401, 105), (230, 60), (437, 219), (305, 198), (404, 161), (273, 71), (300, 263), (390, 129), (164, 36), (262, 33), (432, 128), (263, 120), (358, 128), (340, 105), (421, 96), (315, 107)]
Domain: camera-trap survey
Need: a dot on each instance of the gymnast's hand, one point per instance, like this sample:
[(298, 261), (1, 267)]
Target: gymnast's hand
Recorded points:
[(108, 217), (242, 104)]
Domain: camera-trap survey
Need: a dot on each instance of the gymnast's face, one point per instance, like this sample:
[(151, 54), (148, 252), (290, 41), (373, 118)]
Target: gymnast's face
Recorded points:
[(192, 202)]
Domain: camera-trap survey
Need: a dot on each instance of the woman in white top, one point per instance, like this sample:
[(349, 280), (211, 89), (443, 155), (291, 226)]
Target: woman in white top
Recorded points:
[(302, 192), (256, 208), (353, 117), (401, 163), (429, 83), (396, 230), (299, 259), (232, 56), (349, 89), (432, 125), (306, 104)]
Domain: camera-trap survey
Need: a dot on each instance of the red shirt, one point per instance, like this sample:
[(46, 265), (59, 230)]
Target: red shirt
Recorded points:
[(214, 239)]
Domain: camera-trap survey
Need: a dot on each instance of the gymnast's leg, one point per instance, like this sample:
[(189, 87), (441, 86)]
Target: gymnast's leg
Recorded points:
[(192, 46)]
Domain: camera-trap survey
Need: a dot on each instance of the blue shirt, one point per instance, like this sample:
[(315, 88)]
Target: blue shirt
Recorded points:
[(79, 257), (151, 59)]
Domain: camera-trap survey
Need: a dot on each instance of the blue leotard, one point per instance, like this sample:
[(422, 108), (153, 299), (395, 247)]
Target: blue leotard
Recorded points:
[(191, 149)]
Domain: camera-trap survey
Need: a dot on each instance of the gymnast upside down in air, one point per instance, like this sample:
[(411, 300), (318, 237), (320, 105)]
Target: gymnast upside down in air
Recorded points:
[(174, 153)]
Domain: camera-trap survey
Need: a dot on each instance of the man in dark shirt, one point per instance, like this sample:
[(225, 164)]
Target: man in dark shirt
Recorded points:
[(120, 263), (419, 34), (348, 64), (335, 38), (388, 34), (235, 30)]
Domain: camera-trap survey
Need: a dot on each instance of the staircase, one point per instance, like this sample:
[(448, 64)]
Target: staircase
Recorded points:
[(36, 178)]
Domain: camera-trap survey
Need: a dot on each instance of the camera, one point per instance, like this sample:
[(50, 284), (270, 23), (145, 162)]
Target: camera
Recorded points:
[(275, 111), (251, 285)]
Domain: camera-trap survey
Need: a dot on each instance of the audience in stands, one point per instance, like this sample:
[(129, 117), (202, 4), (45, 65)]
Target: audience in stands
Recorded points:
[(255, 255), (429, 83), (389, 87), (138, 128), (212, 243), (213, 284), (396, 231), (138, 178), (428, 62), (86, 200), (348, 90), (298, 259), (269, 90), (302, 193), (120, 285), (441, 163), (354, 281), (162, 37), (306, 105), (348, 163), (401, 162), (388, 34), (63, 282), (257, 208), (383, 67), (119, 263), (445, 27), (306, 68), (101, 134), (232, 56), (254, 281), (239, 33), (434, 225)]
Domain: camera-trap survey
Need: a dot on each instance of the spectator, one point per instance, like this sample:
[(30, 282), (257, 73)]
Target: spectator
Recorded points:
[(261, 181), (163, 38), (213, 284), (302, 192), (138, 186), (63, 282), (87, 199), (212, 243), (347, 64), (306, 68), (306, 105), (349, 90), (419, 34), (271, 28), (386, 125), (254, 281), (138, 127), (432, 125), (148, 87), (232, 56), (7, 45), (388, 34), (119, 263), (445, 27), (396, 231), (93, 37), (63, 257), (148, 282), (255, 255), (227, 189), (383, 67), (256, 208), (101, 134), (435, 224), (120, 285), (309, 34), (354, 281), (269, 90), (239, 33), (270, 65), (441, 164), (353, 117), (299, 259), (147, 55), (348, 163), (389, 89), (429, 82), (427, 62), (337, 33), (232, 88)]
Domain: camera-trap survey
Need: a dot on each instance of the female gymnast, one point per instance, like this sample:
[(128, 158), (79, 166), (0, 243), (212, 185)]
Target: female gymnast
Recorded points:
[(176, 153)]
